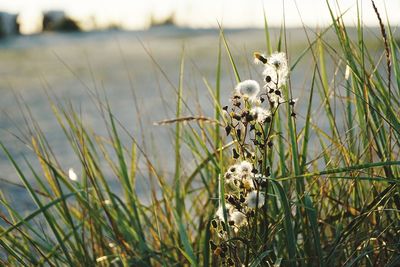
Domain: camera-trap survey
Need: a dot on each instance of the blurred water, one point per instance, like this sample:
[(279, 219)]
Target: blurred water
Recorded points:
[(71, 66)]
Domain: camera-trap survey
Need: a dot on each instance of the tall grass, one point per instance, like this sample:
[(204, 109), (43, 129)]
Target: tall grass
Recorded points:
[(339, 207)]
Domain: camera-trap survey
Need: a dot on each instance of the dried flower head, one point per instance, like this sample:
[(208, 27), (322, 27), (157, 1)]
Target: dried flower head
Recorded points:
[(238, 218), (275, 98), (260, 114)]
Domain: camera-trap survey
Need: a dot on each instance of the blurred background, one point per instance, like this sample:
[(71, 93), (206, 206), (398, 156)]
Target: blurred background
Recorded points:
[(72, 48)]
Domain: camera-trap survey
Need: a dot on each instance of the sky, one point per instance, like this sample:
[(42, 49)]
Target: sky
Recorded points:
[(135, 14)]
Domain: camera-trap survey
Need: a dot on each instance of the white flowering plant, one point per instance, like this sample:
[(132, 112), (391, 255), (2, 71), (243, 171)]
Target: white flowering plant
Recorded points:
[(241, 217)]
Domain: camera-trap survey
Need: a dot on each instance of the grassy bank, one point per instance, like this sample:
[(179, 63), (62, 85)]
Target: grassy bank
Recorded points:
[(325, 186)]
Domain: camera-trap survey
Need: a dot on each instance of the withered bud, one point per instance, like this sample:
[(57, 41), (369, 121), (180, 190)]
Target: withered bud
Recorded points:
[(213, 246), (223, 226), (238, 104), (260, 57), (228, 129), (235, 154), (249, 117), (239, 133)]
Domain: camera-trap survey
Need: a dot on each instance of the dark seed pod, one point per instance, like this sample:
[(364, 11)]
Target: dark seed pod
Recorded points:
[(230, 262), (231, 200), (213, 246), (237, 117), (248, 154), (252, 127), (254, 170), (255, 142), (228, 129), (214, 224), (293, 115), (225, 108), (224, 247), (268, 78), (258, 133), (223, 226), (277, 92), (239, 133), (271, 91), (249, 117), (236, 97), (292, 102), (231, 223), (264, 183), (268, 171), (268, 119), (228, 175), (251, 213), (235, 154), (262, 99), (242, 199), (270, 144)]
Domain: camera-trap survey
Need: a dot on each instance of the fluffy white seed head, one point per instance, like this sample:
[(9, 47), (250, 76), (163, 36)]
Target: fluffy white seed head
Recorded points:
[(248, 88), (278, 60), (276, 70), (238, 218), (260, 114), (245, 167), (72, 175), (251, 199)]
